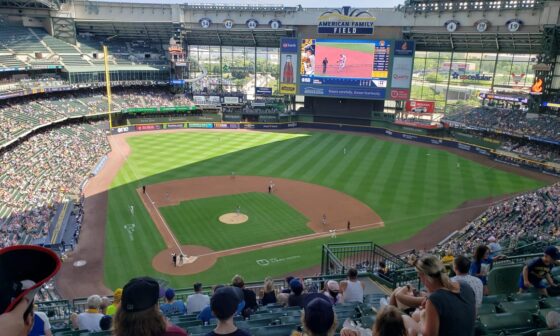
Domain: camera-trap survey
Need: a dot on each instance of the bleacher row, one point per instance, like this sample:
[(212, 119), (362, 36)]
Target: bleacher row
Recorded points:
[(37, 175), (507, 313), (21, 115), (20, 46)]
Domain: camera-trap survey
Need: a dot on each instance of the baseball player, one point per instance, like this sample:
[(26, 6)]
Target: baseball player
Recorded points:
[(341, 62)]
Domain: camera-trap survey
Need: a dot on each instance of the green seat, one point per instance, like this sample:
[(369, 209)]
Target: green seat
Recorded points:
[(553, 332), (507, 322), (551, 302), (525, 296), (290, 319), (277, 330), (188, 323), (504, 280), (518, 306), (486, 308), (200, 329), (494, 299), (367, 321)]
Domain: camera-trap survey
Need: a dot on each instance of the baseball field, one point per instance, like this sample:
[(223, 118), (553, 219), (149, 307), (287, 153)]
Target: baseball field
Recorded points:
[(389, 191)]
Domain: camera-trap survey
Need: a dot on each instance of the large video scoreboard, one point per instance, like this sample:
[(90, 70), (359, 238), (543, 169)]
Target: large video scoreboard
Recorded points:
[(361, 69)]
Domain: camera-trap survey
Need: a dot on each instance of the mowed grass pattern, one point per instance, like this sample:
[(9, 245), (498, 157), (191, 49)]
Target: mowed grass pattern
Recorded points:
[(196, 222), (407, 185)]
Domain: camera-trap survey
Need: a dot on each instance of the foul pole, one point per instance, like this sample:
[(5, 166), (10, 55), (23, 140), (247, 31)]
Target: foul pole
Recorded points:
[(108, 84)]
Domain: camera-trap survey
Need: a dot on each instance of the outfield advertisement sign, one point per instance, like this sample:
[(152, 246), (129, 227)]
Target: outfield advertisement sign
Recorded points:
[(174, 126), (420, 106), (201, 125), (226, 126), (288, 61), (147, 127), (263, 91)]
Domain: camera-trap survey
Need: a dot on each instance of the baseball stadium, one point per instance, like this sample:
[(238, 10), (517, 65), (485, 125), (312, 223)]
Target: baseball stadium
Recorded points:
[(269, 169)]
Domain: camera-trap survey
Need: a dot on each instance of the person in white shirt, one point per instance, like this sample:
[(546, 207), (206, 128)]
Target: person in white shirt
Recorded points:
[(352, 289), (197, 301), (461, 266), (89, 320)]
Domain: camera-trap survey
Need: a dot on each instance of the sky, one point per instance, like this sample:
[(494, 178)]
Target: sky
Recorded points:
[(304, 3)]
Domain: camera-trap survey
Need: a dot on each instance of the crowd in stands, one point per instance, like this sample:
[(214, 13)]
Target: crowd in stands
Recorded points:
[(37, 174), (533, 216), (511, 121), (22, 114), (532, 150)]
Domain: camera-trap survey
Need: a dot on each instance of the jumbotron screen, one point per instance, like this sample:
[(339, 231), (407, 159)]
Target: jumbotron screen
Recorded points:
[(345, 68)]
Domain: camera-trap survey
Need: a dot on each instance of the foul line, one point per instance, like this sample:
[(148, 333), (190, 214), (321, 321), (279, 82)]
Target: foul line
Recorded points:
[(164, 224)]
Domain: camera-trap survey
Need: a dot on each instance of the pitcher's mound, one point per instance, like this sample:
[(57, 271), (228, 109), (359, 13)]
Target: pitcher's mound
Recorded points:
[(233, 218)]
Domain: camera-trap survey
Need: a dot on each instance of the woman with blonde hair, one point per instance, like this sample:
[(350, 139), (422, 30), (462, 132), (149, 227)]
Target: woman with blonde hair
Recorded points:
[(451, 307), (269, 295)]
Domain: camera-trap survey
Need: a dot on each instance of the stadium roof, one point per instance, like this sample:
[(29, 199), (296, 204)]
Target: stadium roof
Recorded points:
[(112, 67)]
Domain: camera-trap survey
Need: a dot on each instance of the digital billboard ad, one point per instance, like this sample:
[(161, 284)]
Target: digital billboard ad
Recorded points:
[(360, 69), (288, 65)]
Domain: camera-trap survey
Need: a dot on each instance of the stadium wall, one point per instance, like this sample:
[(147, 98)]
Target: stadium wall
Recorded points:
[(426, 139)]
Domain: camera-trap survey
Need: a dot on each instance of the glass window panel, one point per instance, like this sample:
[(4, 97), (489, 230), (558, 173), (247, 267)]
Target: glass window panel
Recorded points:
[(459, 56), (474, 56)]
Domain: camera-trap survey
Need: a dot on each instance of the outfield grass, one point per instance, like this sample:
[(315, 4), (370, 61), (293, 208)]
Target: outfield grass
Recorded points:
[(407, 185), (361, 47), (195, 222)]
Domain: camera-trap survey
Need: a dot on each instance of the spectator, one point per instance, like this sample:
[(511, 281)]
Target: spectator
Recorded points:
[(249, 296), (296, 297), (139, 313), (318, 318), (538, 270), (553, 320), (481, 265), (494, 247), (224, 303), (206, 314), (391, 322), (448, 258), (451, 307), (172, 306), (89, 320), (332, 291), (287, 289), (352, 289), (310, 286), (461, 266), (106, 323), (197, 301), (407, 299), (112, 309), (105, 302), (269, 294), (41, 325), (12, 322)]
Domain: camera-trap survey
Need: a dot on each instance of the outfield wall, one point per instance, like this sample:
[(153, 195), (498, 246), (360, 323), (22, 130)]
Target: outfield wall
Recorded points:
[(431, 140)]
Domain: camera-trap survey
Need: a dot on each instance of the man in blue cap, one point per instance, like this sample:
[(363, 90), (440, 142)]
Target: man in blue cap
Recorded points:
[(539, 269), (172, 306)]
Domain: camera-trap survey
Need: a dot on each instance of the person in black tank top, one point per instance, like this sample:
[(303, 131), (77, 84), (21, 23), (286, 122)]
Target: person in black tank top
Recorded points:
[(451, 307)]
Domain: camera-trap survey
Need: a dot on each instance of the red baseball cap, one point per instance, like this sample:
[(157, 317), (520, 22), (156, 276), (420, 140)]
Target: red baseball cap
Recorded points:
[(23, 270)]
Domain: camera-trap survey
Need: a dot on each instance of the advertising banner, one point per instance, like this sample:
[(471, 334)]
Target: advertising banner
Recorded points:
[(147, 127), (346, 21), (201, 125), (231, 100), (263, 91), (174, 126), (402, 73), (226, 126), (288, 61), (420, 106)]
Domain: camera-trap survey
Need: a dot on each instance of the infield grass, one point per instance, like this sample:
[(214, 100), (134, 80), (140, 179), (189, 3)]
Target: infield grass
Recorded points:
[(407, 185), (196, 221)]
